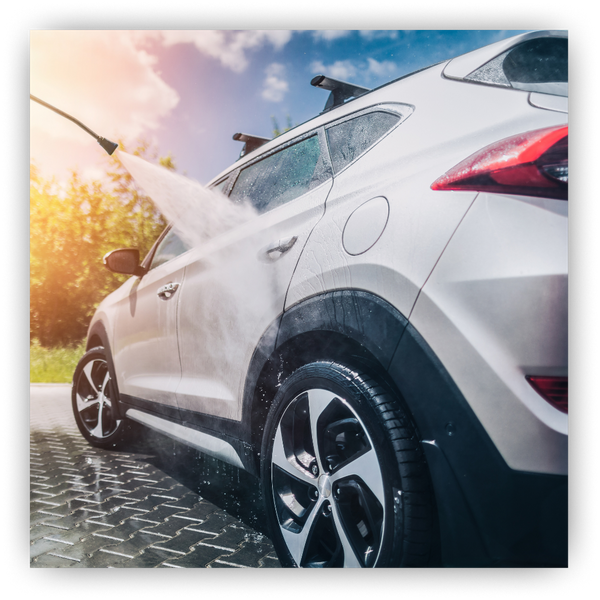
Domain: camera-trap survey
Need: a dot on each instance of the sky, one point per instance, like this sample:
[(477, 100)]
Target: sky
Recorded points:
[(186, 92)]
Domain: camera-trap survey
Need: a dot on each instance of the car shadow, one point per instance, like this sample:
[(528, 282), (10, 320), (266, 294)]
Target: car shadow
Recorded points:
[(229, 488)]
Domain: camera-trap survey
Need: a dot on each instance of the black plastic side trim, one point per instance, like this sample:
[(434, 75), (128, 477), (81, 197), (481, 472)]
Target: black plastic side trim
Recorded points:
[(164, 411), (225, 429), (367, 319)]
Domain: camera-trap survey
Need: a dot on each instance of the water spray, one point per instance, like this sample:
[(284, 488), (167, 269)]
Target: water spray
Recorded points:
[(109, 146)]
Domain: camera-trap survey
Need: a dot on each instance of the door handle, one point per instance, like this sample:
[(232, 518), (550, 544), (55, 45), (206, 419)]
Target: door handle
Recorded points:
[(167, 291), (280, 247)]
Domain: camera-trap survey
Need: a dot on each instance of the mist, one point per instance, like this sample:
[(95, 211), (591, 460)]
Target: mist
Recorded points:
[(229, 296), (196, 213)]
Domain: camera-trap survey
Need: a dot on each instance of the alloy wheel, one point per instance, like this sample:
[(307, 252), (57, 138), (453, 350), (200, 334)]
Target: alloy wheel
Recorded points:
[(327, 483), (94, 399)]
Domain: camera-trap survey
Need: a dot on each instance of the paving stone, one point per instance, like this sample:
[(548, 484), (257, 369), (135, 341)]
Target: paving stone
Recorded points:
[(55, 511), (86, 548), (96, 508), (149, 559), (269, 562), (124, 530), (132, 546), (57, 488), (151, 502), (176, 493), (231, 536), (103, 559), (48, 560), (199, 557), (112, 504), (45, 545), (250, 554), (185, 540), (39, 531), (135, 494)]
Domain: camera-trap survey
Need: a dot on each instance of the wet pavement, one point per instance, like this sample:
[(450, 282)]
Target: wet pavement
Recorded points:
[(154, 503)]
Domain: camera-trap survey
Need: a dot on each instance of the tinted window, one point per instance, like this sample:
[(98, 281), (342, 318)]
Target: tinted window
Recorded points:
[(282, 176), (537, 61), (539, 65), (169, 247), (348, 140)]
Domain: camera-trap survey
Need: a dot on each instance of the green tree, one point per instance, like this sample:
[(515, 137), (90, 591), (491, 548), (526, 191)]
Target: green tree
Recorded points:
[(70, 230)]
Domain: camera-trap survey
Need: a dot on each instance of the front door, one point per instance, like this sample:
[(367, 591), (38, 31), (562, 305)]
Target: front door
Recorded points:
[(146, 353)]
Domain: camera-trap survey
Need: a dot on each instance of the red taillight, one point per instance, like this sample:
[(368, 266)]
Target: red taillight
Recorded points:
[(535, 163), (554, 390)]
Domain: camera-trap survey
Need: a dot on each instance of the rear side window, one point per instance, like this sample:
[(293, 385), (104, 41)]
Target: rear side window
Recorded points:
[(282, 176), (538, 65), (349, 139)]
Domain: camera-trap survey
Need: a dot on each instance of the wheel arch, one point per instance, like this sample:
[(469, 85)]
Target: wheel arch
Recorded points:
[(353, 327), (98, 336), (361, 330)]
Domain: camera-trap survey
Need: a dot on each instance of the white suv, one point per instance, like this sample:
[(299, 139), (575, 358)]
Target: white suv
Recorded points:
[(385, 343)]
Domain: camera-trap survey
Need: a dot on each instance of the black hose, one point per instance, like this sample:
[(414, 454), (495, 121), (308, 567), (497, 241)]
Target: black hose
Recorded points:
[(109, 146)]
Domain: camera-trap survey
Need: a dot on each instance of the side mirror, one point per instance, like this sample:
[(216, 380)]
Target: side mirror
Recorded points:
[(125, 261)]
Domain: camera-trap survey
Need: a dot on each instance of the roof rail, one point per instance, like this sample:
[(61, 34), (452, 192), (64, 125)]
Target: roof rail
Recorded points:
[(340, 90), (252, 142)]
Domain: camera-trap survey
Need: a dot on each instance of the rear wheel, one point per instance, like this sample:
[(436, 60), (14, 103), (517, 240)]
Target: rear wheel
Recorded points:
[(94, 397), (344, 479)]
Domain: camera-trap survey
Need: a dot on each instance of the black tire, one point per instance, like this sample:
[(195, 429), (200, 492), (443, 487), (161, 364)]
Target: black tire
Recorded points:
[(360, 496), (94, 398)]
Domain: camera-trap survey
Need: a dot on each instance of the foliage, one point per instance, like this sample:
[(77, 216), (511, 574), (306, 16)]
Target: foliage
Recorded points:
[(53, 365), (70, 230), (276, 129)]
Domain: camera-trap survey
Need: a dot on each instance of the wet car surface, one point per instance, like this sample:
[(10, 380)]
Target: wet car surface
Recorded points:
[(137, 507)]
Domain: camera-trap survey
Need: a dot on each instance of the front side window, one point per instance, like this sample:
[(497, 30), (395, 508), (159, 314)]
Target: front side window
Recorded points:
[(168, 248), (351, 138), (221, 186), (282, 176)]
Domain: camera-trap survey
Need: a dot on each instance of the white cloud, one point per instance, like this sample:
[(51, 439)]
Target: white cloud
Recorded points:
[(229, 47), (101, 78), (108, 80), (355, 72), (340, 69), (378, 34), (330, 34), (275, 85), (381, 69)]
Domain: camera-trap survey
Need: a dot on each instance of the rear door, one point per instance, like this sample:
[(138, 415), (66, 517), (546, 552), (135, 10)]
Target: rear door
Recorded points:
[(236, 283)]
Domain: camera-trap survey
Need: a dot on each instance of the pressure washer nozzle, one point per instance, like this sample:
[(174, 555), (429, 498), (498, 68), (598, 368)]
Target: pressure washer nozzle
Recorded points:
[(109, 146)]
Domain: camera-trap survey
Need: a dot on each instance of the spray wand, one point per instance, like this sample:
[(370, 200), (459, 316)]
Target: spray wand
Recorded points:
[(109, 146)]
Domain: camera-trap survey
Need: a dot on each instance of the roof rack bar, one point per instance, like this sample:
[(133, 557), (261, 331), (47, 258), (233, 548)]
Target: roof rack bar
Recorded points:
[(252, 142), (340, 90)]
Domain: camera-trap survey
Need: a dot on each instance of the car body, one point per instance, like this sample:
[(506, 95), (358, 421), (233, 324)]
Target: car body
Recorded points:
[(396, 253)]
